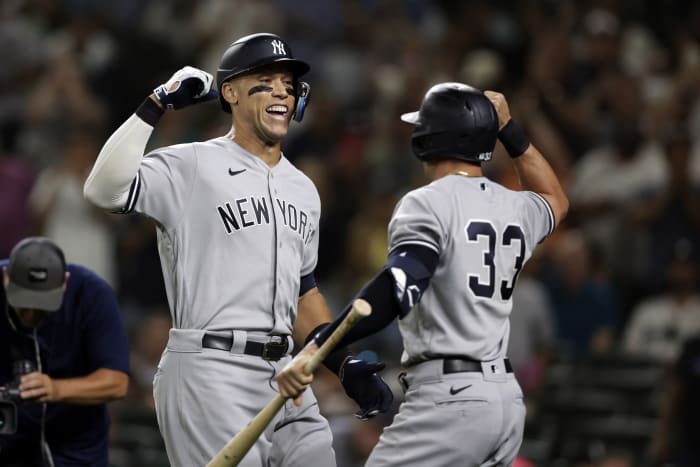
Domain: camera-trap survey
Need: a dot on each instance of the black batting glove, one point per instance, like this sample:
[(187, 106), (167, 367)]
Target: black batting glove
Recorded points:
[(186, 87), (364, 386)]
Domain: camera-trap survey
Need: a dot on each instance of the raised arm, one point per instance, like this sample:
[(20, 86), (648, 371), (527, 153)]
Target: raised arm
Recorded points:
[(533, 170), (110, 181)]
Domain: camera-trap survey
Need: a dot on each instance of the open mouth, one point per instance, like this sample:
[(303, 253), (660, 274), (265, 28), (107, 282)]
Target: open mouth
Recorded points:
[(278, 111)]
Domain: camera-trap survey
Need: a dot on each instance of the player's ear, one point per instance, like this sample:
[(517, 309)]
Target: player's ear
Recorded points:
[(229, 92)]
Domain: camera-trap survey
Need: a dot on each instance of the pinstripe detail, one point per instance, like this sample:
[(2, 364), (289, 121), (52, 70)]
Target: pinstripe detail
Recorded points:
[(134, 191), (549, 212), (417, 242)]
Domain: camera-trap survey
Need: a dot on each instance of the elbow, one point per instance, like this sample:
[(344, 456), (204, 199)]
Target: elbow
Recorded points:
[(119, 387), (91, 194), (564, 207), (98, 197)]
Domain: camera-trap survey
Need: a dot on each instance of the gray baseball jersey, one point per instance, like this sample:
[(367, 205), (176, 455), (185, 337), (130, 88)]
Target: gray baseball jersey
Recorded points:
[(235, 237), (483, 233)]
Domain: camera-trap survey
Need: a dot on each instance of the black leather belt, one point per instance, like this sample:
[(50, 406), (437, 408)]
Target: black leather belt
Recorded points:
[(459, 365), (273, 350)]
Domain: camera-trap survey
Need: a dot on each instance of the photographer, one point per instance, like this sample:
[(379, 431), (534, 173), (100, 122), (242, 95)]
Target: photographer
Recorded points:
[(64, 352)]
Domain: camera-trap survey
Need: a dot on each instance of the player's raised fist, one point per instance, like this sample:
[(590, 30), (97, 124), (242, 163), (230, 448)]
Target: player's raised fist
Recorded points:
[(185, 87), (501, 105)]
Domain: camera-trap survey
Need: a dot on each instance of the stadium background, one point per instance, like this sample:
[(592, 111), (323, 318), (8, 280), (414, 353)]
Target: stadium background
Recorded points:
[(608, 90)]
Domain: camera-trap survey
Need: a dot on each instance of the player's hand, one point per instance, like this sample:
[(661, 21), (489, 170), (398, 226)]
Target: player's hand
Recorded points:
[(186, 87), (366, 387), (293, 379), (501, 105), (37, 387)]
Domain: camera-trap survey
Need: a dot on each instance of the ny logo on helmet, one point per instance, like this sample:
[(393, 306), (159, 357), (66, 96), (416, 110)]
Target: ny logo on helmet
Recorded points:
[(278, 47)]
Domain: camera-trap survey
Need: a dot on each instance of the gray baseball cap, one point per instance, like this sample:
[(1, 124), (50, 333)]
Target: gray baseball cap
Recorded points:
[(36, 270)]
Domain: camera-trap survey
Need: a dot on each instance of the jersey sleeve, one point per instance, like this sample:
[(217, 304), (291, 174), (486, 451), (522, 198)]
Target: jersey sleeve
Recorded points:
[(538, 216), (164, 183), (414, 222)]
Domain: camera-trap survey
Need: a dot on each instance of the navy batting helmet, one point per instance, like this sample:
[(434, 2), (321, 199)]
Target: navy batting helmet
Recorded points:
[(255, 51), (455, 121)]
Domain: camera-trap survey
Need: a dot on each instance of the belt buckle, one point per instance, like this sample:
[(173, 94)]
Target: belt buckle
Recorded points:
[(274, 348), (265, 351)]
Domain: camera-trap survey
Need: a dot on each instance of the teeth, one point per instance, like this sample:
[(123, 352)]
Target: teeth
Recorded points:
[(277, 108)]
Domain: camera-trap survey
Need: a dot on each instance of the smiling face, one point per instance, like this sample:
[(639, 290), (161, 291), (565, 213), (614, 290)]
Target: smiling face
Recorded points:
[(262, 103)]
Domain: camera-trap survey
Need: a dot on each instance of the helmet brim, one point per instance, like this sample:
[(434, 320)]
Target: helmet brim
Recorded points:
[(297, 67), (411, 117)]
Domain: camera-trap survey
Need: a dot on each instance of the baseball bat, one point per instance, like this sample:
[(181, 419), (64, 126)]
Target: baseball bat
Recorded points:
[(234, 451)]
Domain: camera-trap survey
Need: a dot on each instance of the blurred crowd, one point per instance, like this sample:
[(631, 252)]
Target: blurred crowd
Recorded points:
[(609, 91)]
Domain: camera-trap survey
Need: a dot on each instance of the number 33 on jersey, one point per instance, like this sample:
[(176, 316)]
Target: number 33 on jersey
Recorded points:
[(483, 233)]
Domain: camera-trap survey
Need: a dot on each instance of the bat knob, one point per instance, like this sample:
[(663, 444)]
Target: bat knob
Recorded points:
[(362, 307)]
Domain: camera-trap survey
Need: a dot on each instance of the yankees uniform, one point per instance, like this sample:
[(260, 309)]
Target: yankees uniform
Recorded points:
[(215, 192), (216, 206), (456, 247), (238, 245), (483, 234)]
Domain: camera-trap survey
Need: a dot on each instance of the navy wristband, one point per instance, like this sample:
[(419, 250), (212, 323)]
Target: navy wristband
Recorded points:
[(149, 111), (513, 139)]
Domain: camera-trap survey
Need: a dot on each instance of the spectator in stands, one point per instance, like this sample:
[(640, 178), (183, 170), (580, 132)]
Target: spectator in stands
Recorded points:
[(660, 324), (16, 182), (586, 310), (86, 235), (671, 213)]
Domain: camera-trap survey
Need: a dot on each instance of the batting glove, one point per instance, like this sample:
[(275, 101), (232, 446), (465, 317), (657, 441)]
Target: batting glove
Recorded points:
[(365, 387), (186, 87)]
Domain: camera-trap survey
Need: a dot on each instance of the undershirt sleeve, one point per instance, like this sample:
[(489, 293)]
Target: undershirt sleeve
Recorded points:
[(110, 180)]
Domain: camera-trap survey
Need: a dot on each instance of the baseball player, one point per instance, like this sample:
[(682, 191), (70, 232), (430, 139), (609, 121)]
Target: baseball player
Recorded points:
[(456, 247), (238, 240)]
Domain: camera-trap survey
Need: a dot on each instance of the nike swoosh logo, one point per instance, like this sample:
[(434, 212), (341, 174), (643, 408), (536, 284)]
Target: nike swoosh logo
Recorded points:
[(454, 391), (235, 172)]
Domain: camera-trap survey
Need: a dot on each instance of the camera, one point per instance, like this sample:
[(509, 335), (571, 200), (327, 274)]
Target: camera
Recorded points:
[(9, 397)]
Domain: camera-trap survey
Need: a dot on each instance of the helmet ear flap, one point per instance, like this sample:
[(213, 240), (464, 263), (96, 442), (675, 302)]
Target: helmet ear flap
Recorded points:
[(421, 146), (452, 145), (303, 94)]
